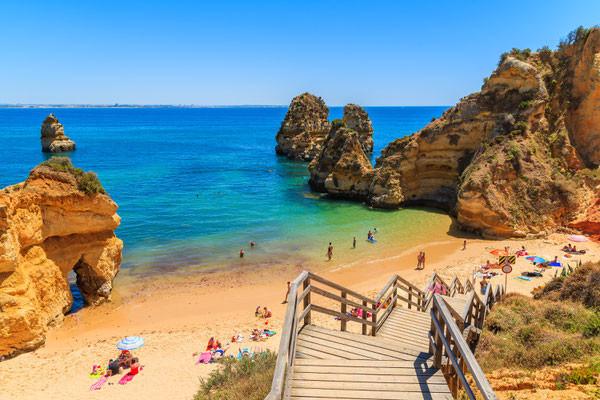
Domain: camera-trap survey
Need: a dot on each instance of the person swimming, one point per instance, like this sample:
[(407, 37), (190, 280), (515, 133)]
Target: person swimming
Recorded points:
[(252, 243)]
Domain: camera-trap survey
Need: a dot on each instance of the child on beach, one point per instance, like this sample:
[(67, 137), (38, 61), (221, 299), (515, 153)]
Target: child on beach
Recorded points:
[(257, 312), (287, 294)]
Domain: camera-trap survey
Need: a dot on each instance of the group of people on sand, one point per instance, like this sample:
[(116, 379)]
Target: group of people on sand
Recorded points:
[(572, 249), (421, 260), (252, 244), (124, 361), (265, 313)]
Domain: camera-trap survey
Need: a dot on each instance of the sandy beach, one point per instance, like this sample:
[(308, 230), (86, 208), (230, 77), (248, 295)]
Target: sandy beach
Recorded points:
[(177, 316)]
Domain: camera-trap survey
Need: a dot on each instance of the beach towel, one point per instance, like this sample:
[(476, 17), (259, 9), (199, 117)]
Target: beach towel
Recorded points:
[(99, 383), (524, 278), (204, 358), (127, 378)]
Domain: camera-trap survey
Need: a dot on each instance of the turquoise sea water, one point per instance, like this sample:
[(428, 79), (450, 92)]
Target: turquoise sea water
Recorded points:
[(195, 185)]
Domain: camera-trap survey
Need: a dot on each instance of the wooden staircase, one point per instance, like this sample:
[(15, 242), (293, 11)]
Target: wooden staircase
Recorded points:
[(414, 345)]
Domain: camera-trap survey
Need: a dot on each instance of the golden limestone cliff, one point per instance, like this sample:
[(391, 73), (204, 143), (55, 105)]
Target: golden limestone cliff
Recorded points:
[(305, 127), (518, 158), (56, 221)]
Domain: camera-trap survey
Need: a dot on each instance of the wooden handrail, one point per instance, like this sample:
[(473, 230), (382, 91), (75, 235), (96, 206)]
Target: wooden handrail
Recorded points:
[(340, 288), (288, 336), (451, 342)]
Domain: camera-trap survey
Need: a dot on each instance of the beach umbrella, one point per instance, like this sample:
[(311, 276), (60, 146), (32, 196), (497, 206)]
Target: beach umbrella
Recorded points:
[(538, 260), (577, 238), (530, 258), (131, 343), (499, 252)]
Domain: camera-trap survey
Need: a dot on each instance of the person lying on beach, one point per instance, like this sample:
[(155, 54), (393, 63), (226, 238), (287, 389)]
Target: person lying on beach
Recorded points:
[(567, 248)]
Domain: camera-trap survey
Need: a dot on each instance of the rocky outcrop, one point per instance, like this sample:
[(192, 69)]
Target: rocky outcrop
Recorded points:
[(341, 167), (54, 139), (516, 159), (357, 119), (49, 227), (304, 128)]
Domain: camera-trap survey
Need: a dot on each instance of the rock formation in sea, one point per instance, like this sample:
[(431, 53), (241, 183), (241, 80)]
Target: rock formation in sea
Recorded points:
[(56, 221), (341, 167), (54, 139), (304, 128), (357, 119), (518, 158)]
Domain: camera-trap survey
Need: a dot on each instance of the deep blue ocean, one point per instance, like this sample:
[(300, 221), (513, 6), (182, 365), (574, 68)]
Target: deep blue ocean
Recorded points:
[(195, 185)]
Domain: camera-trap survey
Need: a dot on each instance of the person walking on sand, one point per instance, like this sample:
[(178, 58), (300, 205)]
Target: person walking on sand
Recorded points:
[(423, 261), (354, 242), (330, 251), (465, 245), (419, 260), (287, 294)]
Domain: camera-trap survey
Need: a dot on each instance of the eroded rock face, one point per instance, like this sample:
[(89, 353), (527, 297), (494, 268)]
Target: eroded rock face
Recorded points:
[(48, 228), (516, 159), (341, 168), (304, 128), (357, 119), (583, 118), (54, 139)]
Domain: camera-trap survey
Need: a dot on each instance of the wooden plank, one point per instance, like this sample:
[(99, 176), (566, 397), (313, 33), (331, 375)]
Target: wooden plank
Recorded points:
[(350, 351), (368, 386), (350, 394), (368, 363), (368, 340), (407, 320), (408, 371), (393, 396), (309, 351), (303, 314), (304, 293), (357, 348), (374, 379), (327, 311), (402, 314), (339, 287)]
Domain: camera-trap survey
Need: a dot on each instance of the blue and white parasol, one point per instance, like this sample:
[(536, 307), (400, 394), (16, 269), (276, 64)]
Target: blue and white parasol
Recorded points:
[(131, 343)]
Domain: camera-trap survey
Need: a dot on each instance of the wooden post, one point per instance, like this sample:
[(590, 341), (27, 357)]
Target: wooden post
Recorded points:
[(395, 294), (374, 320), (343, 320), (437, 359), (364, 314), (409, 297), (307, 301)]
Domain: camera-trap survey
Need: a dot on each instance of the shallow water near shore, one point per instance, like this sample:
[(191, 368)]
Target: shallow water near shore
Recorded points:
[(194, 186)]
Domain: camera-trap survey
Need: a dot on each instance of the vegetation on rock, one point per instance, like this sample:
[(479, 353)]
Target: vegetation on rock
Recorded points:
[(87, 182)]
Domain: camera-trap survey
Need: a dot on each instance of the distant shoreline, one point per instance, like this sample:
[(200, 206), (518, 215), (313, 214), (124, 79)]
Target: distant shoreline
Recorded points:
[(45, 106)]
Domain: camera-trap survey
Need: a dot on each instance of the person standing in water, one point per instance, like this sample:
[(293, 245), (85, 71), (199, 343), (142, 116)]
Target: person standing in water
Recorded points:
[(374, 230), (354, 242), (330, 251), (242, 253), (369, 235)]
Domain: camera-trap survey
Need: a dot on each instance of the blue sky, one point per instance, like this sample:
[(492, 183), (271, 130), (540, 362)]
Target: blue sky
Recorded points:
[(263, 52)]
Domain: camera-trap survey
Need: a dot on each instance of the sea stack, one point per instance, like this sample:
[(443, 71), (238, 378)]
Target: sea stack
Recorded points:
[(54, 139), (56, 221), (518, 159), (304, 128), (341, 168), (357, 119)]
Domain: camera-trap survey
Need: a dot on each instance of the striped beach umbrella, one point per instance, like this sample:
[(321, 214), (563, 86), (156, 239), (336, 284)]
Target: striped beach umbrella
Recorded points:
[(131, 343)]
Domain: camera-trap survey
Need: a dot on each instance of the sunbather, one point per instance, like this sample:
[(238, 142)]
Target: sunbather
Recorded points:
[(267, 313), (213, 344)]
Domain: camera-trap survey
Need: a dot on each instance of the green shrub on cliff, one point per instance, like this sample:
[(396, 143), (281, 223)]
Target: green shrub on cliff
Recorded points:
[(561, 324), (245, 379), (87, 182)]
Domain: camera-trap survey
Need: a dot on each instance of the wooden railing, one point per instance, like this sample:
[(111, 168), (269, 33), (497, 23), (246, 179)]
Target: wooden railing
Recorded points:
[(453, 338), (447, 326), (398, 289)]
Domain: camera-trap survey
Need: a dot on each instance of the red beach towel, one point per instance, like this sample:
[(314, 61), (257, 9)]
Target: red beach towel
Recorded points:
[(126, 378)]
